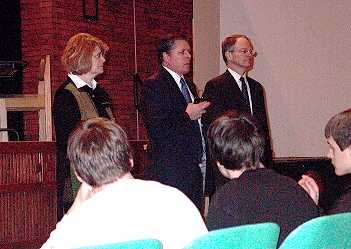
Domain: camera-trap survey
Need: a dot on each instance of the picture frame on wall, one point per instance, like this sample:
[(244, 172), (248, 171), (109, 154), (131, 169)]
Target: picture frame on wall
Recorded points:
[(91, 10)]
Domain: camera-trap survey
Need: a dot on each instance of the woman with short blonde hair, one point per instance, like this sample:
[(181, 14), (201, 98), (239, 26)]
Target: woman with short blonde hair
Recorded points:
[(76, 57), (78, 98)]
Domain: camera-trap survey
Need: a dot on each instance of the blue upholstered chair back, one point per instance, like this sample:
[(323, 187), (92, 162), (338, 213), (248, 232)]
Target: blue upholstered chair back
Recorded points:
[(134, 244), (326, 232), (255, 236)]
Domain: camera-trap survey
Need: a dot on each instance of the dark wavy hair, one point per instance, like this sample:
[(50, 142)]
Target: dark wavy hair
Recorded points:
[(235, 142)]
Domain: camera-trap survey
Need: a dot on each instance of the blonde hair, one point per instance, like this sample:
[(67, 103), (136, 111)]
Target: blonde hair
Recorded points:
[(76, 57)]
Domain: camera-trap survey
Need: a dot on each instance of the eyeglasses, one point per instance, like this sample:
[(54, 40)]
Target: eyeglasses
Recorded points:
[(250, 52), (99, 55)]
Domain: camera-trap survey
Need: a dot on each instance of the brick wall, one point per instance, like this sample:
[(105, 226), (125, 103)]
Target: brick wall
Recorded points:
[(48, 24)]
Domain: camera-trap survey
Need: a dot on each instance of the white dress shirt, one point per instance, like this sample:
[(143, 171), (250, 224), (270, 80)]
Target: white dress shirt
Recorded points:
[(238, 81)]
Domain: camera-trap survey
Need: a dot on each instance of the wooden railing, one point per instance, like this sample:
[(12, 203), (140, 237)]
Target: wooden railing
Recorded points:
[(27, 193)]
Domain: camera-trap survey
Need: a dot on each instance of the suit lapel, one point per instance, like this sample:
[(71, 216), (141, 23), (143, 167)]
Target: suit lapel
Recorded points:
[(236, 94), (173, 84), (253, 92), (192, 88), (169, 80), (177, 96), (233, 85)]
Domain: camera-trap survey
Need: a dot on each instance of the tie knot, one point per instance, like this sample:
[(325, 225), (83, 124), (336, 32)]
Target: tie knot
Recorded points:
[(242, 79)]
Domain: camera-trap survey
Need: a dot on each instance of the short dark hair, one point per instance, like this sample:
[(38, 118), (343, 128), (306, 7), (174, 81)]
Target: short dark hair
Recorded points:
[(235, 142), (99, 151), (339, 128), (76, 57), (230, 41), (166, 44)]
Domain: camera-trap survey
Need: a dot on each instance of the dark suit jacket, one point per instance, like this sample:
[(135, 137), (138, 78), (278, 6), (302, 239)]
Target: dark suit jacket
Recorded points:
[(225, 95), (176, 146)]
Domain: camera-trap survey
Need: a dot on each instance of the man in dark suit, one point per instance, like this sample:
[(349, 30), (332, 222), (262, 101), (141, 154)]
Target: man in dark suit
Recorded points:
[(235, 91), (172, 121)]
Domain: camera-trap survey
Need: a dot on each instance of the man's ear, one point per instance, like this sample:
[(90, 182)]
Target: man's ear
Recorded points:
[(165, 57), (219, 165), (228, 173), (78, 177), (223, 170), (228, 55), (131, 161)]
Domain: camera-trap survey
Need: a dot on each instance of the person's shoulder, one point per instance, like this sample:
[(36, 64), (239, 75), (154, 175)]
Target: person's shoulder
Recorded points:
[(63, 95), (160, 80), (218, 80), (342, 204), (63, 85), (60, 237), (166, 193), (281, 187), (100, 88), (270, 174), (271, 179), (227, 191), (101, 94), (157, 186), (254, 82), (153, 80), (285, 184)]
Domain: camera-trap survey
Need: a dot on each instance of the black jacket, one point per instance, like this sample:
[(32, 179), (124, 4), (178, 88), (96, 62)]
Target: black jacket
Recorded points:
[(176, 146)]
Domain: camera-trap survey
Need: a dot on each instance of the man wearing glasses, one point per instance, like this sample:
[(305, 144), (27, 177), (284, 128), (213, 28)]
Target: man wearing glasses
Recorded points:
[(235, 91)]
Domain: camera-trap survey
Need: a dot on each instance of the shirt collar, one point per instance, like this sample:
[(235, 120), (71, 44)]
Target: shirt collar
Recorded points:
[(237, 76), (175, 76), (79, 82)]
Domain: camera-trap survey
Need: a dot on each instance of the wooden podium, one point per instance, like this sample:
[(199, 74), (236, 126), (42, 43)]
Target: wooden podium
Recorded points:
[(28, 199)]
